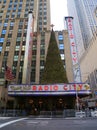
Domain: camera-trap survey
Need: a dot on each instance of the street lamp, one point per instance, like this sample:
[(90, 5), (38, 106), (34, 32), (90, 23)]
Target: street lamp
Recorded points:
[(77, 99), (76, 93)]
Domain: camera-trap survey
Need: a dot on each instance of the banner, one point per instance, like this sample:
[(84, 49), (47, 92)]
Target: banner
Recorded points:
[(28, 50)]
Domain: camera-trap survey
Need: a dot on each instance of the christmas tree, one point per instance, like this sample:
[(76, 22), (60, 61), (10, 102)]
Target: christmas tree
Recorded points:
[(54, 71)]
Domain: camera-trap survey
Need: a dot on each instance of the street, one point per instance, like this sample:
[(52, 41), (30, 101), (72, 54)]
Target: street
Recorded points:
[(14, 123)]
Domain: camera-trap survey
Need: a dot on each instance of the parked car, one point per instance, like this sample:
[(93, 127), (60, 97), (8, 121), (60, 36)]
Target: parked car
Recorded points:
[(94, 113), (80, 114)]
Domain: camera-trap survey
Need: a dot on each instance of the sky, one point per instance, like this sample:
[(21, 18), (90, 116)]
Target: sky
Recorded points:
[(58, 12)]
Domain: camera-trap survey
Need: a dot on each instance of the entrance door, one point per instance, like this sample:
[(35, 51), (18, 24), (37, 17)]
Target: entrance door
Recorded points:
[(35, 104)]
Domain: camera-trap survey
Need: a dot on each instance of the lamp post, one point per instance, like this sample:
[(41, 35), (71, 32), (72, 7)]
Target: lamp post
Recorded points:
[(76, 93), (77, 101)]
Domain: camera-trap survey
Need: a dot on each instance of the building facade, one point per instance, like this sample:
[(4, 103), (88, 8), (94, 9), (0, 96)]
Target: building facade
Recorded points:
[(88, 63), (13, 30), (14, 18), (84, 13), (18, 40), (24, 39)]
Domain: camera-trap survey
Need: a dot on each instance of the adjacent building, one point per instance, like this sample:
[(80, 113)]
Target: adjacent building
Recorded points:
[(84, 22), (13, 31), (84, 13), (88, 63)]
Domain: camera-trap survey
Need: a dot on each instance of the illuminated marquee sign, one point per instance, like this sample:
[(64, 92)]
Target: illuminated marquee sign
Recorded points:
[(48, 89)]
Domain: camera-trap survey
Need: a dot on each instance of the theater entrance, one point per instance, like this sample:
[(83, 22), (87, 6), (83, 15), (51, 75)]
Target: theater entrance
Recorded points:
[(35, 104)]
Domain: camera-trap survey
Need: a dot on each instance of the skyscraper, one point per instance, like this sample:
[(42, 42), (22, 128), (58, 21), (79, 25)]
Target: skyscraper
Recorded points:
[(14, 19), (84, 13), (14, 38), (84, 22)]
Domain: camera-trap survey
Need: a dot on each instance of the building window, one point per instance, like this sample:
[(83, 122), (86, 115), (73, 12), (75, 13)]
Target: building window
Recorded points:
[(2, 35), (34, 52), (18, 15), (42, 52), (3, 31), (61, 46), (20, 26), (1, 39), (45, 23), (13, 16), (23, 43), (1, 43), (9, 35), (60, 37), (5, 28), (5, 24), (61, 51), (42, 46), (17, 43), (10, 6), (8, 44), (34, 47), (16, 53), (45, 18), (22, 53), (11, 28), (62, 56), (11, 23), (6, 53), (0, 17), (34, 63), (26, 15), (41, 67), (15, 63), (19, 35), (0, 48), (17, 48), (19, 10), (7, 48), (45, 13), (42, 63), (15, 58), (18, 39), (21, 63), (7, 16)]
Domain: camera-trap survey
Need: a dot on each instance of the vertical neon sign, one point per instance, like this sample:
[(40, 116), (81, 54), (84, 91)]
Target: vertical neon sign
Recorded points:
[(73, 49)]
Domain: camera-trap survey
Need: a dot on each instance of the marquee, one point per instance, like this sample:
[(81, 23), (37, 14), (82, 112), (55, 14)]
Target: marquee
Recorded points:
[(50, 89)]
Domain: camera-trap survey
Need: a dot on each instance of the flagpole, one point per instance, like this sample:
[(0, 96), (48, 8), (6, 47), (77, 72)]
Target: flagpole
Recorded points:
[(9, 76), (5, 89), (5, 100)]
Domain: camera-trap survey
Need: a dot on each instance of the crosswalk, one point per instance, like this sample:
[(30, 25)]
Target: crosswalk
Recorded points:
[(4, 121), (3, 118)]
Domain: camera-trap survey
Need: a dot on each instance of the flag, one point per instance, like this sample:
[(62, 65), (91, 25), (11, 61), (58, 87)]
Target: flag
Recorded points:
[(8, 74)]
